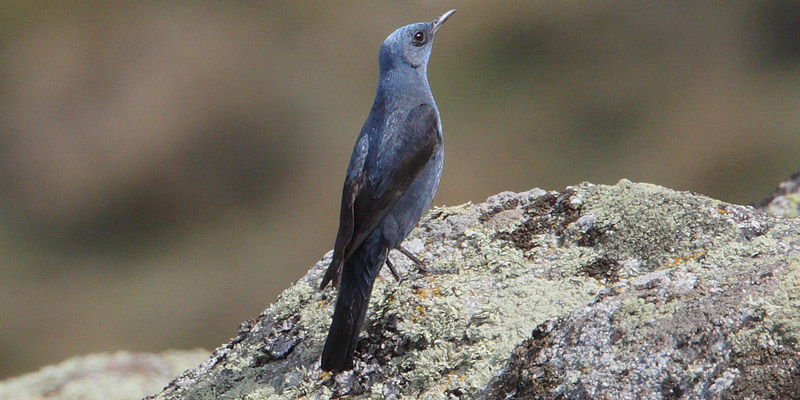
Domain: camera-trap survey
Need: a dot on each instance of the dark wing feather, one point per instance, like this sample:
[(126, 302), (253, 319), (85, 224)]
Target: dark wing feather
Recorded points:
[(391, 166), (352, 185)]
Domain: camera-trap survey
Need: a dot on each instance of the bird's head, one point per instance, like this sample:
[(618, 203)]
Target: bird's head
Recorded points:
[(411, 45)]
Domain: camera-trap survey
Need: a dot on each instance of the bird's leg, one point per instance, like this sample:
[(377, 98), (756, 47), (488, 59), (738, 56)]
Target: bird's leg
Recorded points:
[(410, 256), (394, 271), (421, 265)]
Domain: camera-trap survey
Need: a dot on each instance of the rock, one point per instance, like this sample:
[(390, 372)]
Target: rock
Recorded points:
[(785, 200), (621, 292), (102, 376), (626, 291)]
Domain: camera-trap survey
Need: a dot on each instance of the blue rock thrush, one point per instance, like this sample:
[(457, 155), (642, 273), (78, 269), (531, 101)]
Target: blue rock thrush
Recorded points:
[(393, 174)]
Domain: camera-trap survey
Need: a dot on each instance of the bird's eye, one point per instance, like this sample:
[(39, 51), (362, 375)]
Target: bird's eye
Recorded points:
[(419, 38)]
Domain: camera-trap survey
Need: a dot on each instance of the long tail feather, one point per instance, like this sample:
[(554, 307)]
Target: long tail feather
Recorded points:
[(340, 347), (358, 275)]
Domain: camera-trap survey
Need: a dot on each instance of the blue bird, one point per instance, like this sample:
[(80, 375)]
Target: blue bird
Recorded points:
[(391, 180)]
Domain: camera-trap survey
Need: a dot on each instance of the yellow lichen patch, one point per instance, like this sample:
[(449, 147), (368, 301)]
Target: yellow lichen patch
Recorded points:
[(419, 313), (680, 260), (427, 292)]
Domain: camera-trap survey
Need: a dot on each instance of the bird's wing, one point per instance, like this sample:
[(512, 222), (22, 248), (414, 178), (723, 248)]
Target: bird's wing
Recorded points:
[(390, 167), (352, 186)]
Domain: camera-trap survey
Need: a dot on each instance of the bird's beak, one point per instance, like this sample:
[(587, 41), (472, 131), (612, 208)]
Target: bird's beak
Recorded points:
[(439, 21)]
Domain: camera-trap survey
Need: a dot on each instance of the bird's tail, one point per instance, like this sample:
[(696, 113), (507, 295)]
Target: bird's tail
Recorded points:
[(355, 289), (342, 339)]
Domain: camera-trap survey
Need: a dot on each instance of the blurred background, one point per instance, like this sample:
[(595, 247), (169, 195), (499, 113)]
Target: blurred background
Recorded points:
[(167, 168)]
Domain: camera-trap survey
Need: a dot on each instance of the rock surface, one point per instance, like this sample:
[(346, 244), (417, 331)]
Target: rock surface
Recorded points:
[(116, 376), (785, 200), (626, 291), (621, 292)]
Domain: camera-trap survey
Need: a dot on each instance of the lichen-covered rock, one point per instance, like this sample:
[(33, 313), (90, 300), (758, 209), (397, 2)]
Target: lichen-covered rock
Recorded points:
[(625, 291), (116, 376), (785, 200)]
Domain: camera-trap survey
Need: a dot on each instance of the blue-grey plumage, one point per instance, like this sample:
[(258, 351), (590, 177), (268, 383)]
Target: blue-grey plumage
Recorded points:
[(390, 183)]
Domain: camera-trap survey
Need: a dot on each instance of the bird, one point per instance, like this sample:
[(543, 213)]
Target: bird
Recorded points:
[(391, 180)]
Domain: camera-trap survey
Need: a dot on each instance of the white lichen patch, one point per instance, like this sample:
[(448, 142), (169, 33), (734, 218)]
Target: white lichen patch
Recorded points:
[(778, 315)]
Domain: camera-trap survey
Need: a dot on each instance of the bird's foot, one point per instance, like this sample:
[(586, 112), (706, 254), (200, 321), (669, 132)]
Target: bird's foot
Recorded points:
[(421, 265)]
